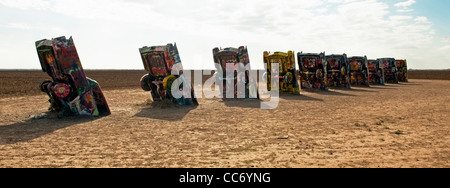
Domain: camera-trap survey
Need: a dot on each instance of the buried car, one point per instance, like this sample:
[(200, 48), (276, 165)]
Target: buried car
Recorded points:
[(359, 72), (233, 73), (390, 70), (165, 75), (312, 71), (287, 71), (337, 71), (402, 68), (70, 91), (376, 72)]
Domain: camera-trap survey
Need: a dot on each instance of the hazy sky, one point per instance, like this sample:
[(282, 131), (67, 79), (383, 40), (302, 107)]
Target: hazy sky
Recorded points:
[(108, 33)]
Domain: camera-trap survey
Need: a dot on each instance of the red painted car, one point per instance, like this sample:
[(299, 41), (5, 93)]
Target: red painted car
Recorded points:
[(312, 70), (337, 71), (70, 91), (160, 61), (376, 72), (402, 67), (232, 60), (390, 70), (359, 72)]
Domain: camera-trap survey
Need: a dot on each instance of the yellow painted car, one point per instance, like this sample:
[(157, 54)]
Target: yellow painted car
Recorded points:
[(287, 75)]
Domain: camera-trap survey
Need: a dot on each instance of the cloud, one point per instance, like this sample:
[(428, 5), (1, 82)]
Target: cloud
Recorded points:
[(405, 10), (356, 27), (405, 3), (27, 4), (445, 48), (422, 20), (31, 27), (404, 6)]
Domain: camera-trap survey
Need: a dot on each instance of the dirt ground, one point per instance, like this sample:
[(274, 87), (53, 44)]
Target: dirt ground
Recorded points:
[(430, 74), (405, 125)]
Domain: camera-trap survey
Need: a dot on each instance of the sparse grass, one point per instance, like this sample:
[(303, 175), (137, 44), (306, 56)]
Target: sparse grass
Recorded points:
[(398, 132), (249, 149), (363, 125), (357, 124), (148, 101)]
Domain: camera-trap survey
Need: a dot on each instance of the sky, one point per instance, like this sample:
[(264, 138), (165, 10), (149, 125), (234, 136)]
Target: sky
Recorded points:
[(108, 33)]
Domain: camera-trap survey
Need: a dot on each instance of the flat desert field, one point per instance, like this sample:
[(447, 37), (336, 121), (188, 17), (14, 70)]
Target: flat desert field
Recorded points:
[(404, 125)]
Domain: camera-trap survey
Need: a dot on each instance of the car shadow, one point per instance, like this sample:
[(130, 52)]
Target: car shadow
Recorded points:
[(38, 126), (411, 84), (331, 93), (301, 97), (391, 85), (256, 103), (243, 103), (172, 112), (363, 89), (378, 86)]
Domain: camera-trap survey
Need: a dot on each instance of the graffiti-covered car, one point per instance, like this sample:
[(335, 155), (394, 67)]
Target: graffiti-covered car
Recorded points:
[(376, 72), (287, 71), (165, 75), (402, 68), (312, 71), (359, 72), (390, 70), (233, 71), (70, 91), (337, 71)]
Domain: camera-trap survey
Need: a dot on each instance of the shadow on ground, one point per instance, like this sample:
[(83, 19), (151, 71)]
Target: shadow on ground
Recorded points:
[(37, 127), (167, 112), (243, 103), (302, 97), (411, 84), (380, 87), (255, 103), (331, 93)]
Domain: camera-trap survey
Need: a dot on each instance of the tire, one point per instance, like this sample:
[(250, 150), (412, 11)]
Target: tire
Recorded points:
[(146, 81), (194, 99), (168, 82), (44, 86), (64, 93), (289, 78)]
